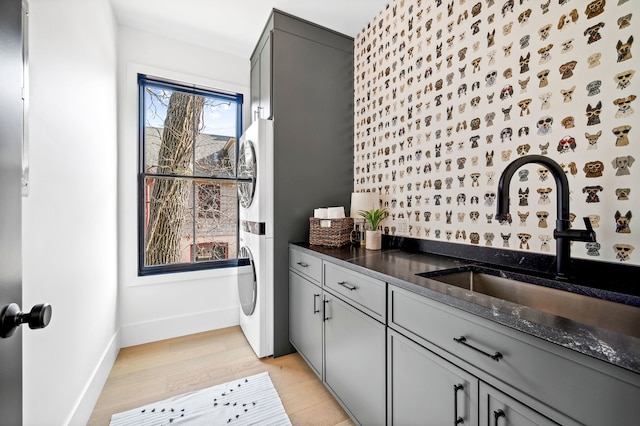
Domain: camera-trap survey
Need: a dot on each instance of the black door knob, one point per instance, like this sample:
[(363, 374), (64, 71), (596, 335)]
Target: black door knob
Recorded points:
[(11, 318)]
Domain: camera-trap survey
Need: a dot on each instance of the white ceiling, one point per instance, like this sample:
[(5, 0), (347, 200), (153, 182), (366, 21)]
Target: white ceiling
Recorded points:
[(234, 26)]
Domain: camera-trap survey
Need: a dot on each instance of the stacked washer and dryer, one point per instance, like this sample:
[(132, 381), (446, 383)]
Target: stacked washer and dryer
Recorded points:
[(255, 192)]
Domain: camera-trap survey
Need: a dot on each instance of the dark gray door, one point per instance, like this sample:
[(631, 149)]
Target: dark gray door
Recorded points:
[(10, 203)]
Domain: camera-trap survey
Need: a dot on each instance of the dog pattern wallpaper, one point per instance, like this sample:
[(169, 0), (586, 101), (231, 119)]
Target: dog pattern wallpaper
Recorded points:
[(447, 93)]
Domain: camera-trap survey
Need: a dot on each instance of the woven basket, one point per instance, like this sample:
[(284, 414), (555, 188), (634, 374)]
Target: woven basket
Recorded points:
[(330, 232)]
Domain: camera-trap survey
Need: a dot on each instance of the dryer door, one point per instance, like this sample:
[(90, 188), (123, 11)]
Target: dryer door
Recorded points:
[(247, 172), (248, 285)]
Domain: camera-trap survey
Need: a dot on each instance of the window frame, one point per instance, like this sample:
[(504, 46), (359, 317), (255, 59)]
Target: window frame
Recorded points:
[(143, 81)]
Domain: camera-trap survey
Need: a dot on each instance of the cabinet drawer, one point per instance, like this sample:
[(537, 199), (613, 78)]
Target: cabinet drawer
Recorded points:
[(306, 264), (556, 376), (366, 293)]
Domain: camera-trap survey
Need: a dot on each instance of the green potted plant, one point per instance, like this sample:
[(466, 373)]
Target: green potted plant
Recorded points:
[(373, 237)]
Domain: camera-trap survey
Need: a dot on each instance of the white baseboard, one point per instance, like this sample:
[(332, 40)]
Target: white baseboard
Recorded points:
[(167, 328), (82, 411)]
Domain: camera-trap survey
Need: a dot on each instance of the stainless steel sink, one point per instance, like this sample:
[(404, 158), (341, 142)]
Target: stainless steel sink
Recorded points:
[(601, 313)]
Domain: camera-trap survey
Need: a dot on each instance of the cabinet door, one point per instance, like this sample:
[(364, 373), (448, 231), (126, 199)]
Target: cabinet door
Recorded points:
[(255, 89), (265, 80), (355, 361), (305, 320), (499, 409), (425, 389)]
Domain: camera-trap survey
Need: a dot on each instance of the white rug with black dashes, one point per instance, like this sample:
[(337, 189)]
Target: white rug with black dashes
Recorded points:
[(249, 401)]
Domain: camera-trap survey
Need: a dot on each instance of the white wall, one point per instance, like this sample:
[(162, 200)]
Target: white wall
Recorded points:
[(69, 220), (165, 306)]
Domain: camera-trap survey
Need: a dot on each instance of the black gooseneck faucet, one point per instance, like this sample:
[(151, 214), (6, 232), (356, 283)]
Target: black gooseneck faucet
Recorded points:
[(562, 234)]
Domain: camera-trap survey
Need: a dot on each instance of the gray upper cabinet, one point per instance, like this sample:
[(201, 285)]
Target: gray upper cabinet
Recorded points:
[(302, 78), (261, 80)]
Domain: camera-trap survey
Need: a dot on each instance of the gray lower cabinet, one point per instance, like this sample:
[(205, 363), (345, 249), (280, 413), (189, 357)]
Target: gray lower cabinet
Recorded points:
[(425, 389), (499, 409), (355, 360), (305, 325), (421, 362), (345, 346), (523, 379)]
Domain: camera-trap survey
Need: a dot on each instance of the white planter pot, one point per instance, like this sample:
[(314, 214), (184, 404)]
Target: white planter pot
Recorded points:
[(373, 240)]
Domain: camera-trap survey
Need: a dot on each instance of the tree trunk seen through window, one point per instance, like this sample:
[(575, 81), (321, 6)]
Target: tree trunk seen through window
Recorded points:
[(168, 208)]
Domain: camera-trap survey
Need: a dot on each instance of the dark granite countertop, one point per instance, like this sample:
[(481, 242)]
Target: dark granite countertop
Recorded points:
[(400, 268)]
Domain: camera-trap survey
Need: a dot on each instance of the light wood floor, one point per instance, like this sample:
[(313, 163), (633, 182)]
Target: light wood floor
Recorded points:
[(156, 371)]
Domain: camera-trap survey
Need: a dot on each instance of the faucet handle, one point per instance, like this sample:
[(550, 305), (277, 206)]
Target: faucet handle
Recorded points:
[(591, 235)]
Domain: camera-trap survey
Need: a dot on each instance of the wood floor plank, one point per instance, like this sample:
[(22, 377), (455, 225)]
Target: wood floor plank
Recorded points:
[(159, 370)]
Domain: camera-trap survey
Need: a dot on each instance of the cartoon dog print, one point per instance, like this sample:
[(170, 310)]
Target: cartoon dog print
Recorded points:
[(505, 239), (566, 144), (545, 98), (544, 31), (523, 196), (595, 8), (623, 222), (544, 195), (592, 193), (622, 135), (624, 21), (545, 125), (569, 168), (524, 63), (623, 194), (624, 49), (594, 219), (592, 139), (545, 54), (623, 79), (593, 33), (544, 148), (545, 7), (568, 122), (623, 251), (566, 19), (488, 239), (542, 216), (622, 164), (567, 94), (593, 248), (524, 240), (594, 169), (523, 218), (567, 45), (624, 106), (566, 70), (544, 243), (593, 114)]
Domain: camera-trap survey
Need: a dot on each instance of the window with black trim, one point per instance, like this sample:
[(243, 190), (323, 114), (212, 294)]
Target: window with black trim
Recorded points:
[(187, 182)]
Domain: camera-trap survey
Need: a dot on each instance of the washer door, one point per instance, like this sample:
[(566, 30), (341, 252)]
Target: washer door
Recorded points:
[(248, 286), (247, 172)]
